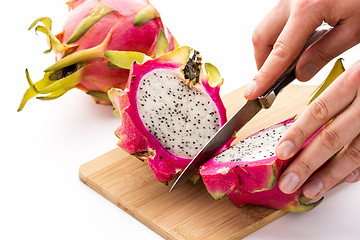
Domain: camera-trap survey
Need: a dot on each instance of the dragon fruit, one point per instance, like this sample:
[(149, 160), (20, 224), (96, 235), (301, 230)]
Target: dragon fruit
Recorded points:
[(168, 110), (93, 27), (248, 171)]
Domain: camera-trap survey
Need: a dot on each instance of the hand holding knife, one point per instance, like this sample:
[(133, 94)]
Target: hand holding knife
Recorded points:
[(241, 117)]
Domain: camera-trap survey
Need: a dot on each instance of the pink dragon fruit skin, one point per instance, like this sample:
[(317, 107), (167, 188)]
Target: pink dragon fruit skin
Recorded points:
[(126, 37), (117, 28), (133, 133), (253, 182), (130, 139)]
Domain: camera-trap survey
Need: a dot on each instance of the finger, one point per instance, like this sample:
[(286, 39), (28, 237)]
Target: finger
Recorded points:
[(354, 176), (343, 129), (336, 41), (330, 103), (344, 165), (266, 33), (286, 48), (325, 144)]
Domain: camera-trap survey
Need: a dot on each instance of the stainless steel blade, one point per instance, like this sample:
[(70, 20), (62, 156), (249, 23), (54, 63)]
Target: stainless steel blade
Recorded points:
[(221, 137)]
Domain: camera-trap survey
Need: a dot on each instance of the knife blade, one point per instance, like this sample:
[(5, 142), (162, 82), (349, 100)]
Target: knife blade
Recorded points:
[(241, 117), (221, 137), (232, 126)]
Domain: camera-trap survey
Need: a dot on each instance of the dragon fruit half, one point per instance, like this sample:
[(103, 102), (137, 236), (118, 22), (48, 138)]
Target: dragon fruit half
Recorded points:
[(248, 171), (93, 27), (168, 110)]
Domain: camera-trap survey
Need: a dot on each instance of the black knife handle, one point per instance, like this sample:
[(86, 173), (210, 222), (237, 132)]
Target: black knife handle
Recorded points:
[(284, 80), (288, 76)]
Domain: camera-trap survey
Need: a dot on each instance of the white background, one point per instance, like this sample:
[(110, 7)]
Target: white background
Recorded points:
[(44, 145)]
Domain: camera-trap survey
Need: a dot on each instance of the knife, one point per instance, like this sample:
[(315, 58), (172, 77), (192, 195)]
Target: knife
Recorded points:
[(242, 116)]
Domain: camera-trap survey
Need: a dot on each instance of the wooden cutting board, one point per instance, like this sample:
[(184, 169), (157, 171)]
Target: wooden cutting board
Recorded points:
[(189, 212)]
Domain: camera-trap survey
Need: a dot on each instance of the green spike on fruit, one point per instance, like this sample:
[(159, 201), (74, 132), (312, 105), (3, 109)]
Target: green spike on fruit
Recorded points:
[(94, 16), (81, 56), (162, 45), (54, 88), (55, 94), (214, 76), (146, 15), (53, 42), (178, 56), (99, 95), (123, 59), (66, 82), (45, 20)]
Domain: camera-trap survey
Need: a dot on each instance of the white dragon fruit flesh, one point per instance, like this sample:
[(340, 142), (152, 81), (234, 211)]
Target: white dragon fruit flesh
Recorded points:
[(168, 110), (248, 172)]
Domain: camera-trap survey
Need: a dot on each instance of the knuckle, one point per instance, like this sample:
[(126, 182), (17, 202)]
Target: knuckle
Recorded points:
[(313, 8), (330, 139), (351, 79), (257, 38), (261, 77), (305, 167), (329, 177), (297, 133), (280, 49), (353, 153), (319, 110), (305, 5)]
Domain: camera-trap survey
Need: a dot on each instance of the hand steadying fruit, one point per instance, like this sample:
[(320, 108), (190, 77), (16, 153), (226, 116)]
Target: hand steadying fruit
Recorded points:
[(277, 41)]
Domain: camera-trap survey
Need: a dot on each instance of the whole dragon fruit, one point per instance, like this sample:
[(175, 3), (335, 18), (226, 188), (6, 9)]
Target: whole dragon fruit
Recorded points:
[(168, 110), (93, 27), (248, 171)]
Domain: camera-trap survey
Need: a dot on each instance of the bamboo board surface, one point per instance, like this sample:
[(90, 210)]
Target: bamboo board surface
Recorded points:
[(188, 212)]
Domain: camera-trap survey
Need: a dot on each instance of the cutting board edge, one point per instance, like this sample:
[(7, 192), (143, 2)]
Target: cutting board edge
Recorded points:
[(256, 226)]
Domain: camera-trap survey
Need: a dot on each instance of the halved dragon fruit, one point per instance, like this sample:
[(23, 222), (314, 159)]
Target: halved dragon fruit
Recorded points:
[(93, 27), (168, 110), (248, 171)]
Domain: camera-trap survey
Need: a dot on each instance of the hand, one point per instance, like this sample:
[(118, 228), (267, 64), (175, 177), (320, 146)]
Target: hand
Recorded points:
[(315, 166), (277, 41), (282, 34)]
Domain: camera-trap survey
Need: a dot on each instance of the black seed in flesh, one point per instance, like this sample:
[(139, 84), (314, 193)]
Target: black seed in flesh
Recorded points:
[(171, 104), (257, 147)]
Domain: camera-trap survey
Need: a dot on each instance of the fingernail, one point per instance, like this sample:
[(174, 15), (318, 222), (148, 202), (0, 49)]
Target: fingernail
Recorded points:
[(289, 183), (353, 176), (250, 89), (313, 187), (308, 72), (285, 150)]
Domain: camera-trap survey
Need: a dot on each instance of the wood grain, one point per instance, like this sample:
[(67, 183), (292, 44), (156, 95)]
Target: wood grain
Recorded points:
[(189, 212)]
